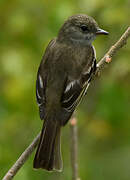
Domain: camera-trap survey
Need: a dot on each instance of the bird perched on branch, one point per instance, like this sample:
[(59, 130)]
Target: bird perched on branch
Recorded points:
[(63, 77)]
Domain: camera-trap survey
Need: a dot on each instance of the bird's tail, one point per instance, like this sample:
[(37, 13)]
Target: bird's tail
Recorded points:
[(48, 155)]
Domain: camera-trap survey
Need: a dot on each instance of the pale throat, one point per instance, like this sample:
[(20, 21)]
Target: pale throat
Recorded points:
[(84, 40)]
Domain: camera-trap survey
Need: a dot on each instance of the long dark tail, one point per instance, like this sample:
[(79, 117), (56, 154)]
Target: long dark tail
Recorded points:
[(48, 155)]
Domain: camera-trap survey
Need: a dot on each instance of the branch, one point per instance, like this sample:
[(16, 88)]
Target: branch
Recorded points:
[(113, 50), (102, 63), (22, 159), (74, 147)]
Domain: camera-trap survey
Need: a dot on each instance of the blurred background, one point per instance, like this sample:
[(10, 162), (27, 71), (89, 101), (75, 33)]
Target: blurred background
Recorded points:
[(26, 27)]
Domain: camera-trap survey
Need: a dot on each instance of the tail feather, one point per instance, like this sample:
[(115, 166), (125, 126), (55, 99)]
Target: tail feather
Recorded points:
[(57, 153), (48, 155)]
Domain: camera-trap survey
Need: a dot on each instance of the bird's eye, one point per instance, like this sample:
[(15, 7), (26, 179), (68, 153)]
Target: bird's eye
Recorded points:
[(84, 28)]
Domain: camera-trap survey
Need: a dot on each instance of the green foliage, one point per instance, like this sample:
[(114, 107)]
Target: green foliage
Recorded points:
[(26, 27)]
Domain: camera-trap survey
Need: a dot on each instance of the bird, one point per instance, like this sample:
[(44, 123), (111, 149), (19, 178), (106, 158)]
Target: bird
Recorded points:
[(63, 77)]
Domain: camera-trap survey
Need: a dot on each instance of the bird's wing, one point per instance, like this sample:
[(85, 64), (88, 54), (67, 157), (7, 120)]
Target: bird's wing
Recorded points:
[(76, 89), (41, 84), (40, 94)]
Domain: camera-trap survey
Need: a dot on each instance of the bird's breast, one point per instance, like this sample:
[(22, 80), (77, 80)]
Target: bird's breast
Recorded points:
[(80, 58)]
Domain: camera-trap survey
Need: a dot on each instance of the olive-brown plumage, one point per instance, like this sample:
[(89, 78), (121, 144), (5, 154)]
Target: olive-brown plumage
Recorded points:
[(62, 80)]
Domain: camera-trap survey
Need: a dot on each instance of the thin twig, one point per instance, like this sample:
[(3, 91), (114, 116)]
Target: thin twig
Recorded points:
[(105, 60), (22, 159), (74, 147), (113, 50)]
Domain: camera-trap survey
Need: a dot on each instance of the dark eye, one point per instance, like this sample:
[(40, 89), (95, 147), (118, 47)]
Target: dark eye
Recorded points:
[(84, 28)]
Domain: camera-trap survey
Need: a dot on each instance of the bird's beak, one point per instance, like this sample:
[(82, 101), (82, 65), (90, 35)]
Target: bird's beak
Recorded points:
[(101, 31)]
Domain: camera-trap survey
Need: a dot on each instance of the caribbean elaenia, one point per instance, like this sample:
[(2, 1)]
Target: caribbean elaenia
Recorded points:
[(62, 80)]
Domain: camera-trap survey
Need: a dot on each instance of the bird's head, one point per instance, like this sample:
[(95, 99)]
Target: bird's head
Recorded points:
[(80, 29)]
